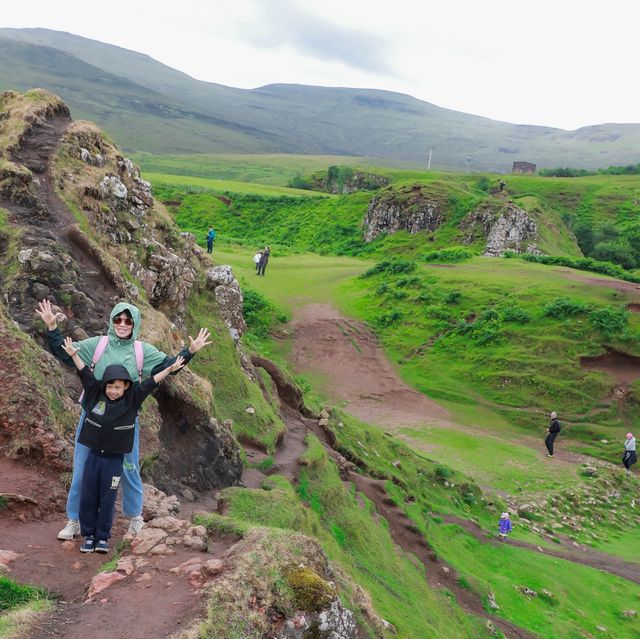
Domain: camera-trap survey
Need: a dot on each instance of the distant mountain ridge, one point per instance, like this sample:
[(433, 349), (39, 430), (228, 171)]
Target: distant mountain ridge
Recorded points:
[(147, 106)]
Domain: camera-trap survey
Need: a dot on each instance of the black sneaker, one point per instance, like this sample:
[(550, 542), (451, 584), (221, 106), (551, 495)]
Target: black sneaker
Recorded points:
[(102, 546), (89, 545)]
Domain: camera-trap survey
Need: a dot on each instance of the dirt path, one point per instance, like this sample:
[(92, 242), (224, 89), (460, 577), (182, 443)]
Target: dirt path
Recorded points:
[(347, 354)]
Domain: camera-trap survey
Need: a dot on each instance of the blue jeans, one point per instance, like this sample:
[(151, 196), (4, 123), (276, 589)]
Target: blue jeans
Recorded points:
[(131, 482)]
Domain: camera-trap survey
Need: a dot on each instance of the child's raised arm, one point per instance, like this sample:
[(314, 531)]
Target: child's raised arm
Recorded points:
[(73, 353), (176, 366)]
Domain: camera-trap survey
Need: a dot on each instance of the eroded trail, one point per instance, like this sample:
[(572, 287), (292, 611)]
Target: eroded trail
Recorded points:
[(356, 370)]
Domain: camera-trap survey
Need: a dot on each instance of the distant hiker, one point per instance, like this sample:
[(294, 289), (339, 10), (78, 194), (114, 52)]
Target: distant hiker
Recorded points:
[(630, 456), (504, 526), (256, 260), (262, 264), (211, 235), (119, 346), (502, 185), (113, 403), (552, 433)]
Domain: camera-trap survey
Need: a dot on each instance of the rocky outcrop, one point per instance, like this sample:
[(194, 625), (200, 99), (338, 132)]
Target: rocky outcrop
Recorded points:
[(508, 228), (36, 433), (406, 209), (197, 452), (82, 221), (345, 179), (228, 295)]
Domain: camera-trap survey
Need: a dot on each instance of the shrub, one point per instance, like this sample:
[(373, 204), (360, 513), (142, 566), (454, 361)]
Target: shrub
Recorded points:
[(298, 182), (388, 319), (515, 314), (412, 280), (483, 184), (452, 254), (563, 307), (609, 320), (392, 267), (453, 297), (259, 313), (442, 472)]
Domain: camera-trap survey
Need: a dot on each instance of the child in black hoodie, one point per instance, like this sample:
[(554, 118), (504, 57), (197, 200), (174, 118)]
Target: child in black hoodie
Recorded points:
[(111, 406)]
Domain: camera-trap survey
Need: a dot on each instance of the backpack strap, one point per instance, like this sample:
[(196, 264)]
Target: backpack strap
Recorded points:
[(100, 349), (101, 346), (139, 351)]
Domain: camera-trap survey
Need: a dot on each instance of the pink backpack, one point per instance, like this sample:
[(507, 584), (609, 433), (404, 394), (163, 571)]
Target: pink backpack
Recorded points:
[(102, 347)]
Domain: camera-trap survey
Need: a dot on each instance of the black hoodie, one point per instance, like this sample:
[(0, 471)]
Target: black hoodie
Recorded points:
[(554, 426), (108, 426)]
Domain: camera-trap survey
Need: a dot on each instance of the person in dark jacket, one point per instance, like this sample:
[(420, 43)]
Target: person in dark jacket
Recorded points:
[(111, 407), (552, 433), (262, 264)]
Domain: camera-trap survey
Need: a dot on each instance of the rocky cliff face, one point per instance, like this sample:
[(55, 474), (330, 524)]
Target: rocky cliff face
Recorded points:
[(80, 227), (506, 229), (406, 209), (503, 226)]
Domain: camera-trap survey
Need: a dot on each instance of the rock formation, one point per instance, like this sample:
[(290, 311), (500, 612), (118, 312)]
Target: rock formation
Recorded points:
[(509, 228), (81, 224), (405, 209)]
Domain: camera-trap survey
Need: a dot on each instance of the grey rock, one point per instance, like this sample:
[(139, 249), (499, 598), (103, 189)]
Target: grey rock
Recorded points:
[(392, 212)]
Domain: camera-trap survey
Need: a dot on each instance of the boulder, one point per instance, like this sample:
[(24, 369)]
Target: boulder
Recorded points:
[(102, 581)]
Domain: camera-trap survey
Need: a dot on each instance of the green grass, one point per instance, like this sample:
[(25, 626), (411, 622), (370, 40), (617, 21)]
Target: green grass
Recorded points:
[(481, 355), (195, 183), (324, 508), (291, 281), (572, 610), (494, 460), (13, 594), (233, 393), (270, 169)]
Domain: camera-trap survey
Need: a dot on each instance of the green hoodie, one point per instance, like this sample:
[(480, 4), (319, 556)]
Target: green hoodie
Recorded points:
[(119, 351)]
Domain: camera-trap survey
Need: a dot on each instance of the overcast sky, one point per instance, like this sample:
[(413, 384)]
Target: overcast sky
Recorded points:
[(564, 63)]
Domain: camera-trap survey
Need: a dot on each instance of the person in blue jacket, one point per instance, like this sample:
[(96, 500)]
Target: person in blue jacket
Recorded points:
[(211, 235), (504, 526)]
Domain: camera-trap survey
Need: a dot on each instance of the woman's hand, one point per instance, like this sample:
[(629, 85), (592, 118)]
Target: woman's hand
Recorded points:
[(200, 341), (45, 311)]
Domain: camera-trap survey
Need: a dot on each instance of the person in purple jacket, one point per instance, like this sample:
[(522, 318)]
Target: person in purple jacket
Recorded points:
[(504, 526)]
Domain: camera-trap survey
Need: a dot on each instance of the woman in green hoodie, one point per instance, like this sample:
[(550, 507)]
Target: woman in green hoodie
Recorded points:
[(124, 329)]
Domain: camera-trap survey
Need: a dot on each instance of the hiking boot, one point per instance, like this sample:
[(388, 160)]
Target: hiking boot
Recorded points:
[(71, 530), (89, 545), (135, 525), (102, 546), (549, 455)]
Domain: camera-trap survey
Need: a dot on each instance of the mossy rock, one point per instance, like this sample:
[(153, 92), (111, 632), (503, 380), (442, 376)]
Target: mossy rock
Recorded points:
[(311, 592)]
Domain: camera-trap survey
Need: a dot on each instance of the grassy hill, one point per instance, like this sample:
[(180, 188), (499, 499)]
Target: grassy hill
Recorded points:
[(134, 98), (506, 334)]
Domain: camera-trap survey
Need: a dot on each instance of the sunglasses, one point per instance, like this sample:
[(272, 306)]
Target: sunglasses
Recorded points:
[(123, 319)]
